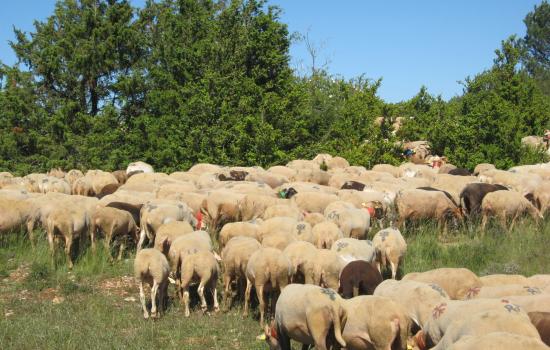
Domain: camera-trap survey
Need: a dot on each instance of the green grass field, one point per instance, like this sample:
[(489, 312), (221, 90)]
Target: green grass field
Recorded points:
[(96, 306)]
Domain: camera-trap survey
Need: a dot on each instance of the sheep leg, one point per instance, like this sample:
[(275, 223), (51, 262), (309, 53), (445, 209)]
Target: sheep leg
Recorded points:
[(503, 221), (68, 246), (215, 296), (30, 230), (400, 222), (52, 247), (355, 290), (260, 295), (107, 244), (200, 291), (484, 223), (393, 269), (227, 296), (514, 219), (93, 232), (142, 300), (121, 248), (274, 297), (162, 296), (141, 239), (185, 300), (247, 296), (154, 290)]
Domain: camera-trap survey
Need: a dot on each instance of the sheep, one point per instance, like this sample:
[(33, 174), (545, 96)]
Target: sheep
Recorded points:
[(299, 253), (113, 222), (354, 249), (235, 256), (199, 267), (239, 228), (158, 212), (325, 234), (188, 244), (168, 233), (505, 204), (390, 246), (151, 266), (281, 210), (268, 270), (68, 221)]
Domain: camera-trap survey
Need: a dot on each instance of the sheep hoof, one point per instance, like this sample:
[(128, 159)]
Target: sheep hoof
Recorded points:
[(146, 316), (155, 315)]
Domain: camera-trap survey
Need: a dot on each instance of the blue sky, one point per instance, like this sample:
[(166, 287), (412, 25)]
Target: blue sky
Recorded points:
[(407, 43)]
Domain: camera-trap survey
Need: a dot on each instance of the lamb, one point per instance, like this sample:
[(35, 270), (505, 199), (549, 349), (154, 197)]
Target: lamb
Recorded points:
[(200, 267), (151, 266), (390, 247)]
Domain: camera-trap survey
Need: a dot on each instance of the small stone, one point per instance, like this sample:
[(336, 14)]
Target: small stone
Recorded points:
[(130, 299)]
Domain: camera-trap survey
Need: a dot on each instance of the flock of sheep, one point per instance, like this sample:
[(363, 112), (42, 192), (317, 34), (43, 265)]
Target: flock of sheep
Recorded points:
[(297, 235)]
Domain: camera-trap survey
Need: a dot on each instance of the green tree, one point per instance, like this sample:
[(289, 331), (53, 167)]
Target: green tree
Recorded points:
[(486, 123), (537, 44)]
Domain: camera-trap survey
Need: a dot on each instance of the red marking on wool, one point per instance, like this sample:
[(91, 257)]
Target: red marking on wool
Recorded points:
[(273, 332), (371, 211), (199, 220)]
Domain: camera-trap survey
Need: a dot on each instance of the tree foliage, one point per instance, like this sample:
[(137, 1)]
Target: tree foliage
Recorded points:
[(99, 84)]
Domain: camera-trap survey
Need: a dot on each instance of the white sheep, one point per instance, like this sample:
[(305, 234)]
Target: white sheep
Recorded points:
[(151, 266)]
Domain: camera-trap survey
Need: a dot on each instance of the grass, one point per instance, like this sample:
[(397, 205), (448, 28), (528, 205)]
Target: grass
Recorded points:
[(97, 304)]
